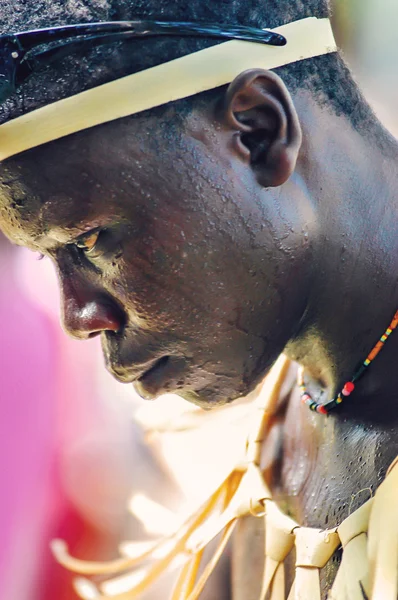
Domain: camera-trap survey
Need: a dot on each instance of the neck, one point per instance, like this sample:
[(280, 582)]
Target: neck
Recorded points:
[(353, 296), (354, 291)]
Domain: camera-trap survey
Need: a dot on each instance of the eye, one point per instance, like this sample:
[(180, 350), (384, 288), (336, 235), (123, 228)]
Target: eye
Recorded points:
[(101, 244), (88, 242)]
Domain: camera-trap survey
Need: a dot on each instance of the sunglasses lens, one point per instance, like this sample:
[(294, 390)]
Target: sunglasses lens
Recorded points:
[(9, 60), (6, 89)]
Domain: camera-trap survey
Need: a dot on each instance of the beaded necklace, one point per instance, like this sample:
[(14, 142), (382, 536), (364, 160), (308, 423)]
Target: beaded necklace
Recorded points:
[(348, 387)]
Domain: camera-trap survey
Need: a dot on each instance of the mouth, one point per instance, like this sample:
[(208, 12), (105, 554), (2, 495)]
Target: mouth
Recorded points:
[(160, 378), (156, 377), (159, 365)]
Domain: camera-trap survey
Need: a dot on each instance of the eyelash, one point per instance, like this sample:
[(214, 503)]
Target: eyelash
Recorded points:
[(80, 243), (103, 245)]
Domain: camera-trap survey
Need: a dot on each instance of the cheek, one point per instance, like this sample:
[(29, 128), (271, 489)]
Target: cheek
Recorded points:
[(187, 286), (220, 259)]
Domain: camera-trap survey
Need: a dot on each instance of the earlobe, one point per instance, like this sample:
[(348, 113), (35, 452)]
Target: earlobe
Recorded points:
[(260, 111)]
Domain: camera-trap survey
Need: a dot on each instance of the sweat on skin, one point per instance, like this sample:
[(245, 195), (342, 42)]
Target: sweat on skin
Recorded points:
[(200, 247)]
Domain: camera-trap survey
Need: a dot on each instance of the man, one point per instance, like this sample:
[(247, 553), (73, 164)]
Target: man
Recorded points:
[(202, 238)]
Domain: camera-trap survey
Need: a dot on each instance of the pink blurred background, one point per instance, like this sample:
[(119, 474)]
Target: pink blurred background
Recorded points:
[(70, 449)]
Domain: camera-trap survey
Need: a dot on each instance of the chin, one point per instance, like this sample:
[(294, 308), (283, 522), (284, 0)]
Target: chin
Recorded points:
[(203, 401), (208, 399), (218, 392)]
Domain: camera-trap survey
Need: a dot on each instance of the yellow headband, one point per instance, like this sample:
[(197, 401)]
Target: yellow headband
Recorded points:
[(167, 82)]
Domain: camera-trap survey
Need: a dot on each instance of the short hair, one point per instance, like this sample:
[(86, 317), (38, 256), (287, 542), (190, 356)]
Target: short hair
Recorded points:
[(326, 77)]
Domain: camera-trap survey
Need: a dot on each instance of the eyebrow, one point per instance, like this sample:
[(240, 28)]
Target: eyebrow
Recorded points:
[(18, 59), (68, 235)]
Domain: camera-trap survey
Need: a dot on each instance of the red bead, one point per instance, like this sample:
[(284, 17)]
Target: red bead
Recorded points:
[(322, 410), (348, 388)]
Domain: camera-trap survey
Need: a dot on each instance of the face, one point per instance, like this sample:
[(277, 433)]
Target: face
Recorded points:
[(166, 246)]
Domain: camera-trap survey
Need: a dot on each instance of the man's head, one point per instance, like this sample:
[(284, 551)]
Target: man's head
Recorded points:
[(184, 235)]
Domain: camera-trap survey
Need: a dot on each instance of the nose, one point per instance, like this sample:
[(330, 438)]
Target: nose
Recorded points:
[(87, 311)]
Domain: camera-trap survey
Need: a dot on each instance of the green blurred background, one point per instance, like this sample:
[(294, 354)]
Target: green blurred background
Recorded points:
[(368, 32)]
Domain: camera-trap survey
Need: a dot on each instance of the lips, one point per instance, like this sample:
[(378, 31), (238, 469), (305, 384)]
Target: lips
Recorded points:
[(154, 377), (159, 365), (162, 377)]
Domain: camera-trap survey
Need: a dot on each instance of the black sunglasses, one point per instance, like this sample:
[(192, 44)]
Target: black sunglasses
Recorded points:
[(18, 61)]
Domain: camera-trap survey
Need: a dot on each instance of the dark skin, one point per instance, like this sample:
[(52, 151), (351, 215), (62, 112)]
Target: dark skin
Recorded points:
[(168, 275), (267, 225)]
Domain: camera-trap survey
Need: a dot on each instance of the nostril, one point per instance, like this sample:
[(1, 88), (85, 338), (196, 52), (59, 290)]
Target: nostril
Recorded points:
[(93, 318), (93, 334)]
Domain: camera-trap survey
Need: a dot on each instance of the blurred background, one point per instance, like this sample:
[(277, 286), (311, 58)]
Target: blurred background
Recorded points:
[(72, 444), (367, 31)]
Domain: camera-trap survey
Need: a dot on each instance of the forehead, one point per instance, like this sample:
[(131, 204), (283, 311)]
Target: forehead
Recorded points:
[(62, 189), (35, 206), (127, 168)]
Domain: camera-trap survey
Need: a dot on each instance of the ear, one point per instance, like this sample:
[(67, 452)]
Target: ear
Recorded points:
[(259, 109)]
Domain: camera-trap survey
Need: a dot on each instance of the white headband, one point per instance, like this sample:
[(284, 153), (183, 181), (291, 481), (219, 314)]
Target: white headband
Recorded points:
[(167, 82)]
